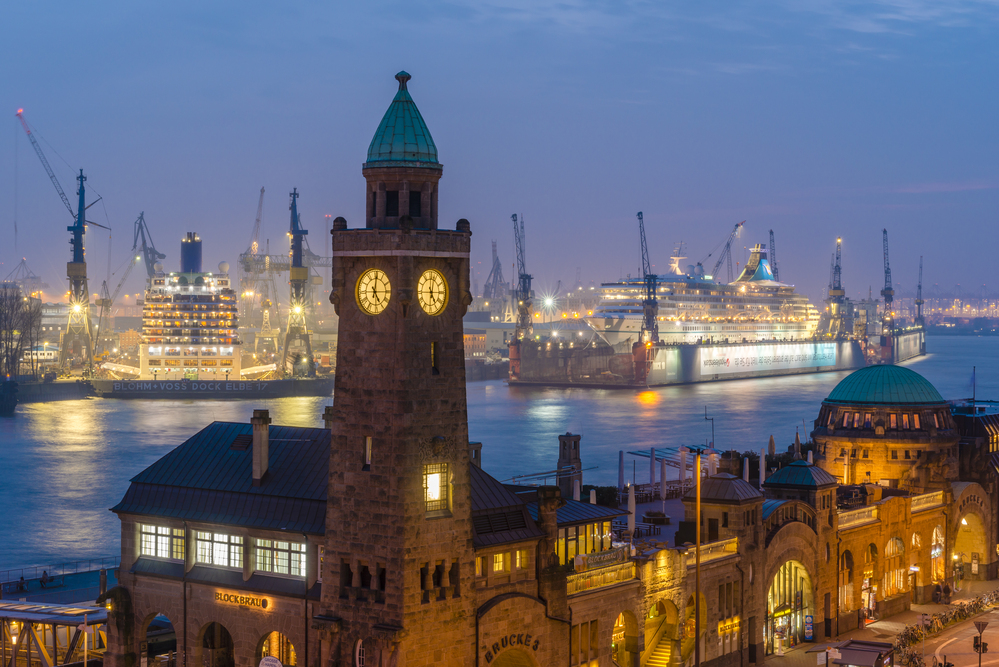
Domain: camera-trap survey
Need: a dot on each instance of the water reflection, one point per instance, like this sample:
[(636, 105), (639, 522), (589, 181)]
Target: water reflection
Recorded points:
[(64, 464)]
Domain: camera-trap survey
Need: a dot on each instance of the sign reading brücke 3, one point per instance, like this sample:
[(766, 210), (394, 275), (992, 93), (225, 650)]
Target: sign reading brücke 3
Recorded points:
[(242, 600)]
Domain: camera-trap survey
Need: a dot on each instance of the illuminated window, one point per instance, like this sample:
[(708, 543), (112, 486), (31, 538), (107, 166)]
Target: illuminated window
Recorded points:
[(161, 542), (501, 562), (856, 420), (281, 557), (867, 420), (905, 421), (915, 421), (893, 421), (219, 549), (846, 419), (480, 567), (436, 486), (523, 558), (936, 422), (367, 452)]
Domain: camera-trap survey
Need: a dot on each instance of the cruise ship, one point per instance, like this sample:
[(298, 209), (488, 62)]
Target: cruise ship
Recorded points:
[(695, 308), (753, 327), (190, 342)]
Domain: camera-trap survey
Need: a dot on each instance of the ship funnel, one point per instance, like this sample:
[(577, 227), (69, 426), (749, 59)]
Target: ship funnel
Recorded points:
[(190, 253)]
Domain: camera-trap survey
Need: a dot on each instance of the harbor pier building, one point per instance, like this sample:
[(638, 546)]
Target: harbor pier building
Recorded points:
[(381, 539)]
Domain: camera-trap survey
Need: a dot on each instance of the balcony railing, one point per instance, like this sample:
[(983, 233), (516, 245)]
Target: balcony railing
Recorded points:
[(927, 501), (714, 550), (858, 517), (598, 578)]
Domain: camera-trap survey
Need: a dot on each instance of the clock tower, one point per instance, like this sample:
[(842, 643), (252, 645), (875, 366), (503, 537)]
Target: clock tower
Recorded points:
[(398, 566)]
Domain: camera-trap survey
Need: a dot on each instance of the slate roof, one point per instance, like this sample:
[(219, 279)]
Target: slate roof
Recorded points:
[(498, 516), (576, 512), (207, 479), (885, 385), (402, 136), (725, 488), (800, 475)]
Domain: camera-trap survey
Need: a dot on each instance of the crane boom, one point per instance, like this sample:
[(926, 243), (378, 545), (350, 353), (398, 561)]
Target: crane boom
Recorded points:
[(837, 282), (650, 307), (726, 252), (919, 294), (524, 326), (255, 238), (45, 162), (887, 317), (773, 257), (143, 239)]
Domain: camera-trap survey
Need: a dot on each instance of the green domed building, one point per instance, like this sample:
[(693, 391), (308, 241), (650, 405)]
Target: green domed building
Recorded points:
[(887, 425)]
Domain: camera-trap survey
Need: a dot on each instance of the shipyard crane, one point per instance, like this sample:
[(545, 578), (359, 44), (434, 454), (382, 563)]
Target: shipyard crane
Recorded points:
[(247, 278), (143, 242), (650, 305), (919, 295), (887, 317), (78, 339), (493, 289), (773, 257), (837, 296), (297, 343), (524, 325), (726, 252)]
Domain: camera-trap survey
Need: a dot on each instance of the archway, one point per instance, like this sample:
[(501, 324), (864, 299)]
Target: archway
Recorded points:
[(216, 646), (846, 582), (161, 639), (513, 657), (789, 601), (661, 627), (624, 639), (970, 553), (277, 645)]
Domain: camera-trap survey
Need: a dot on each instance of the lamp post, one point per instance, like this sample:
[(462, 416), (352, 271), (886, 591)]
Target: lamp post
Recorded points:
[(697, 557)]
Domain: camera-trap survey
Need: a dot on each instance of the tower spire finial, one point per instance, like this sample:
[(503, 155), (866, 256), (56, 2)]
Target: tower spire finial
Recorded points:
[(402, 78)]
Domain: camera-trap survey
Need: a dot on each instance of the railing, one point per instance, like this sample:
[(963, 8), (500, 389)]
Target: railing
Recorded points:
[(604, 576), (851, 518), (714, 550), (927, 501), (61, 569)]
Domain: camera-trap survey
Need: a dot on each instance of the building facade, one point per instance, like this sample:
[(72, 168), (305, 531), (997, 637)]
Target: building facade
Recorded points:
[(380, 539)]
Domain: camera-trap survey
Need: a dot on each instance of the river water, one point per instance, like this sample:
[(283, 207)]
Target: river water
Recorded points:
[(64, 464)]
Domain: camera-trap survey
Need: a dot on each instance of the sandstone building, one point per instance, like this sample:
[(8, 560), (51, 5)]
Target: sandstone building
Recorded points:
[(381, 539)]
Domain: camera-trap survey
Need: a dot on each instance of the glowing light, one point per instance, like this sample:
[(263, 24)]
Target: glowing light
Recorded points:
[(434, 486), (549, 302), (964, 521), (76, 308), (297, 309)]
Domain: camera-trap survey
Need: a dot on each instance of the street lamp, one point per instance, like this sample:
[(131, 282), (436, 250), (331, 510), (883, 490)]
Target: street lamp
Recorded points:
[(697, 556)]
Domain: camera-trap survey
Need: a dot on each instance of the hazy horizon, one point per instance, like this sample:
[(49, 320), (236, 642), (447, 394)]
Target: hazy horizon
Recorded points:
[(815, 119)]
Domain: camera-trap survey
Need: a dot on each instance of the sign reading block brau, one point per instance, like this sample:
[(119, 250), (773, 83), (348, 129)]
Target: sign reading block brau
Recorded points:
[(766, 357), (241, 600), (584, 562)]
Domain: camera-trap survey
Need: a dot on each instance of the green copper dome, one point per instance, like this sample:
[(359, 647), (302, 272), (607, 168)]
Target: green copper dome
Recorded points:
[(402, 136), (885, 385)]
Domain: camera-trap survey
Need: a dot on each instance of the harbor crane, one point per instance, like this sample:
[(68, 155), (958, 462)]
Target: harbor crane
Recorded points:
[(77, 341), (726, 252), (919, 295), (142, 241), (297, 343), (522, 298), (524, 325), (887, 317), (495, 286), (773, 257), (837, 296), (650, 305), (247, 280)]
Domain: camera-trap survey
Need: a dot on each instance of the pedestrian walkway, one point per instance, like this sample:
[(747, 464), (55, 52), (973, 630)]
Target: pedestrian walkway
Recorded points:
[(883, 630)]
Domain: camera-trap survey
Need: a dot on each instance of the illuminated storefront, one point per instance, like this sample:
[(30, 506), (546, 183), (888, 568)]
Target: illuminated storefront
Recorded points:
[(789, 601)]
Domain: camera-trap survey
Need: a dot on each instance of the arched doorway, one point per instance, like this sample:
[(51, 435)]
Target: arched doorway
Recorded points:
[(217, 647), (661, 628), (513, 657), (277, 646), (969, 549), (624, 639), (161, 640), (789, 600)]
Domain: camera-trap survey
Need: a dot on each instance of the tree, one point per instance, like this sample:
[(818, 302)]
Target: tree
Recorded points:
[(20, 324)]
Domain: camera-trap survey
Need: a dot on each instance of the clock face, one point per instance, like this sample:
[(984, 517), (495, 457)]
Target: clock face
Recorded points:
[(373, 291), (432, 291)]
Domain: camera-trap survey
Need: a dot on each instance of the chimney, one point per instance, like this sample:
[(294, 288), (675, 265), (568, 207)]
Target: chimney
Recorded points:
[(328, 417), (261, 445)]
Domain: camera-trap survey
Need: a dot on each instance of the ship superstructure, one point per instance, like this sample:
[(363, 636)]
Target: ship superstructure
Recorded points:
[(189, 322), (695, 308)]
